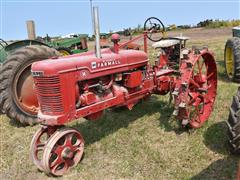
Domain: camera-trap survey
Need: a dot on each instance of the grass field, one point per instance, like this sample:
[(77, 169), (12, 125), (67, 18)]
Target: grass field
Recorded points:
[(145, 143)]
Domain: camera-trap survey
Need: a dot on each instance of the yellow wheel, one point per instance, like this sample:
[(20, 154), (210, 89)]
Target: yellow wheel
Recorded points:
[(232, 59), (229, 62), (64, 51)]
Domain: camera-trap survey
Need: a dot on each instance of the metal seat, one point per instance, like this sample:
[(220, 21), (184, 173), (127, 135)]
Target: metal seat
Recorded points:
[(169, 42), (165, 43)]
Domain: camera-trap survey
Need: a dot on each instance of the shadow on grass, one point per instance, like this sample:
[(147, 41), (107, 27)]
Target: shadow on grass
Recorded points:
[(221, 169), (16, 123), (114, 120), (221, 71), (215, 138)]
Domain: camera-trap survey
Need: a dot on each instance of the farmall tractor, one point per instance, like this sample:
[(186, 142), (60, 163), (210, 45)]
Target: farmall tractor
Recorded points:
[(17, 97), (84, 85)]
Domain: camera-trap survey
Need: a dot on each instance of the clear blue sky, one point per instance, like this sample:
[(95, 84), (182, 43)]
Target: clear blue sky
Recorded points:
[(57, 17)]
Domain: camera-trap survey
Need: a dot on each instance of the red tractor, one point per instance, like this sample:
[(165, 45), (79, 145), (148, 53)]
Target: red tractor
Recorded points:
[(84, 85)]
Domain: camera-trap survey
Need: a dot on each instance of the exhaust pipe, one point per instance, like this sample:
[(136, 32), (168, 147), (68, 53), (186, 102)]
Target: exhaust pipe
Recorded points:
[(96, 32)]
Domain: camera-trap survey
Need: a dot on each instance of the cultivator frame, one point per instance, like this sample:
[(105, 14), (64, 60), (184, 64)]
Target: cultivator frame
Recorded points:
[(84, 86)]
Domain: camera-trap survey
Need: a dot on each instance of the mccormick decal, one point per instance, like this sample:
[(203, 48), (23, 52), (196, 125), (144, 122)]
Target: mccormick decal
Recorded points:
[(106, 63)]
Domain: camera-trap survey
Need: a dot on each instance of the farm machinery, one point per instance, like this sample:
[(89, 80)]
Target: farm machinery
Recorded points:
[(232, 56), (232, 65), (18, 99), (84, 85)]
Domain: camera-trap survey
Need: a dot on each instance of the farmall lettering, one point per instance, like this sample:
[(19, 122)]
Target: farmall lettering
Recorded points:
[(191, 79), (104, 64)]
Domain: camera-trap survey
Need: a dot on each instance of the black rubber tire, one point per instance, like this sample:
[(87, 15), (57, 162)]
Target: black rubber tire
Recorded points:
[(1, 110), (64, 49), (233, 123), (19, 59), (234, 44)]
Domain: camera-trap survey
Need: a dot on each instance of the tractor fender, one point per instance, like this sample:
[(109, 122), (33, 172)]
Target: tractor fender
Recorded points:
[(23, 43)]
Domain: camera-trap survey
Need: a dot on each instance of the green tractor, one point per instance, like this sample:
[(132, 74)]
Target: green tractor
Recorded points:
[(17, 95), (70, 45), (232, 56), (232, 65)]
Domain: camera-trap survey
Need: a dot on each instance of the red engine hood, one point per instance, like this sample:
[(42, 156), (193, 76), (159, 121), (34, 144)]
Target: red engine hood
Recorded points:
[(87, 61)]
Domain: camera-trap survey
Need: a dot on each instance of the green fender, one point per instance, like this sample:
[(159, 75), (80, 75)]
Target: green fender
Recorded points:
[(6, 49)]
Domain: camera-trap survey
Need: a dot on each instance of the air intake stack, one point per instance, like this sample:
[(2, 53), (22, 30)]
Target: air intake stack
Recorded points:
[(96, 32)]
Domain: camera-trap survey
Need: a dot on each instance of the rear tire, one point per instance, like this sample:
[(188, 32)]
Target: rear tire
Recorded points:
[(232, 59), (13, 75), (233, 123)]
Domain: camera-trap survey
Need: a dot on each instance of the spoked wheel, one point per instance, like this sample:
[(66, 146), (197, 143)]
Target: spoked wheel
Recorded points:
[(63, 151), (38, 144), (196, 89)]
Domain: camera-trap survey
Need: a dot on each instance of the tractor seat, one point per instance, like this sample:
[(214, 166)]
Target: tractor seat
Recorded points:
[(169, 42), (165, 43)]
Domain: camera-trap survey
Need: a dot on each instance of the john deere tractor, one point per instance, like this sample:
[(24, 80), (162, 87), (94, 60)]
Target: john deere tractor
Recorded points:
[(232, 56), (17, 94), (232, 65)]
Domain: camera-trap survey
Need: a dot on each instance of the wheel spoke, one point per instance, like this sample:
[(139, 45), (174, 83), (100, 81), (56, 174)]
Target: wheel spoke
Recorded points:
[(57, 161), (202, 64), (210, 75), (199, 70), (194, 83), (150, 21), (197, 113), (58, 149), (70, 162), (57, 168)]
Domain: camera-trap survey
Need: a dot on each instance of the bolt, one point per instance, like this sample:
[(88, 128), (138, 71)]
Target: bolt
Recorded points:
[(175, 93), (189, 65), (184, 122), (175, 112), (184, 86), (182, 105)]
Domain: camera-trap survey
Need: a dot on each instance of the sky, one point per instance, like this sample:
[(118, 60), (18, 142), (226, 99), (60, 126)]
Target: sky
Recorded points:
[(59, 17)]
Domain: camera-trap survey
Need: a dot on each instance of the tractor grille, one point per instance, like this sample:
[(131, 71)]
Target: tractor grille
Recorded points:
[(49, 94)]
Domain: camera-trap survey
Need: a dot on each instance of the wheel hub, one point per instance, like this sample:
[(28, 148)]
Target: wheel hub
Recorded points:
[(67, 153), (24, 93)]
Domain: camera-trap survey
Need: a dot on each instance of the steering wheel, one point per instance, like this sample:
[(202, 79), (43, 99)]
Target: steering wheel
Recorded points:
[(154, 25)]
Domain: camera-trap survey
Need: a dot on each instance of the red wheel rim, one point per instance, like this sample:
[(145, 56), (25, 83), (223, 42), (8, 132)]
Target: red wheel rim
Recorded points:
[(24, 93), (38, 143), (197, 87), (63, 151)]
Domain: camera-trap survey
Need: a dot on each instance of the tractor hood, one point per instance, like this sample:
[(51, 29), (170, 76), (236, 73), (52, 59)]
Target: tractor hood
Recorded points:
[(89, 64)]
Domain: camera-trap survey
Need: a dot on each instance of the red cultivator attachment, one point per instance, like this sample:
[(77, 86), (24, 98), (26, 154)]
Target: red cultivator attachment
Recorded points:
[(196, 88), (85, 85)]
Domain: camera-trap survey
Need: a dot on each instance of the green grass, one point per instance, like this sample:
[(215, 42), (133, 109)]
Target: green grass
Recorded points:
[(145, 143)]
